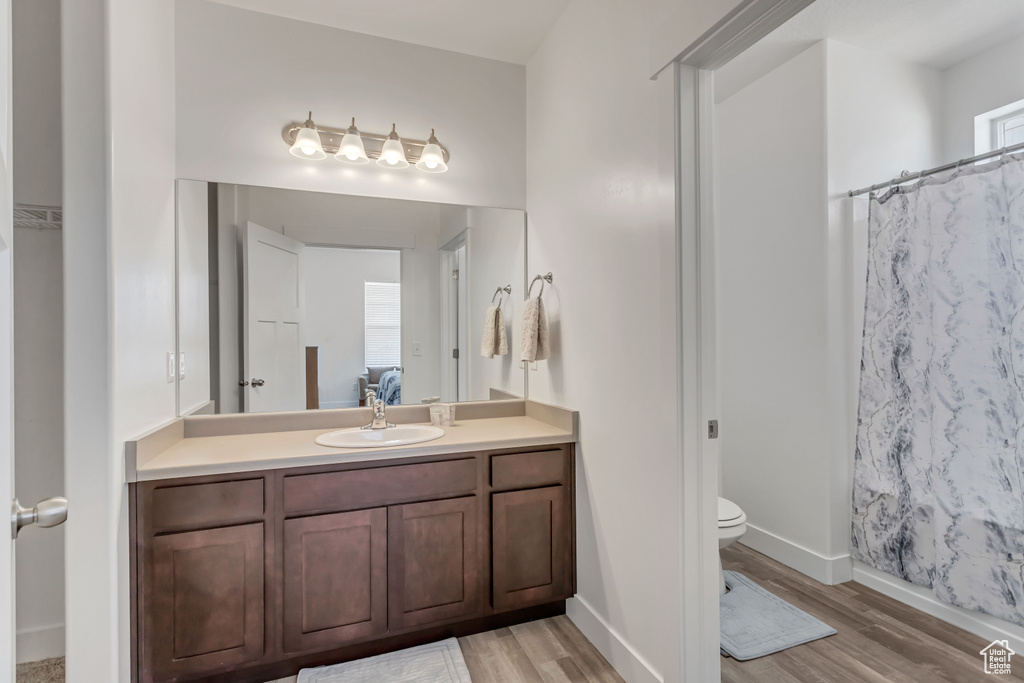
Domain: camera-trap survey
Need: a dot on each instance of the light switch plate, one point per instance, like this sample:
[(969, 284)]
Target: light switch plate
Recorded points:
[(171, 367), (417, 349), (181, 365)]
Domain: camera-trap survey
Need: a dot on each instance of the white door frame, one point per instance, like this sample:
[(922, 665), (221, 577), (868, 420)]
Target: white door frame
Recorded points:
[(697, 321), (450, 316)]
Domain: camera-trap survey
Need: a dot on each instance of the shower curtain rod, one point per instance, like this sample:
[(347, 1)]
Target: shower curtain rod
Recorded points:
[(908, 177)]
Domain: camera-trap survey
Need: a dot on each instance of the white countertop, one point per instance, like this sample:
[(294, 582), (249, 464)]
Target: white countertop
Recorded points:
[(232, 453)]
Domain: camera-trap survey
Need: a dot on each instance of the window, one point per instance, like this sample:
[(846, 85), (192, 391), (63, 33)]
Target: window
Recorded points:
[(1002, 127), (382, 314), (1009, 130)]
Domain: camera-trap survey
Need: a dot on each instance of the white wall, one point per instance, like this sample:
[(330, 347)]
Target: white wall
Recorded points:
[(38, 331), (193, 228), (242, 76), (978, 85), (771, 221), (496, 253), (601, 220), (118, 77), (36, 101), (335, 316), (141, 107)]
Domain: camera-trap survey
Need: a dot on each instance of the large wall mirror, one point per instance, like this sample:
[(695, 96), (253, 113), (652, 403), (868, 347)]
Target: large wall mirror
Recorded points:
[(292, 300)]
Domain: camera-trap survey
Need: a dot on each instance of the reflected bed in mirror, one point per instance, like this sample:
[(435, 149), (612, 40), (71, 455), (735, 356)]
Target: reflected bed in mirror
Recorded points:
[(292, 300)]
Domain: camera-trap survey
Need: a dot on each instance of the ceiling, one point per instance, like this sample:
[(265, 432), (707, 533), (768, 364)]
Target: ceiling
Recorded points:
[(506, 31), (935, 33)]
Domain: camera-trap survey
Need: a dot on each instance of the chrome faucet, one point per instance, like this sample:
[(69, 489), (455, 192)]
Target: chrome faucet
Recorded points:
[(379, 420)]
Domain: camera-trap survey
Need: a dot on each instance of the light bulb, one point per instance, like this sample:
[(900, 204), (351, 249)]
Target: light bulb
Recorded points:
[(351, 149), (392, 154), (307, 142), (432, 158)]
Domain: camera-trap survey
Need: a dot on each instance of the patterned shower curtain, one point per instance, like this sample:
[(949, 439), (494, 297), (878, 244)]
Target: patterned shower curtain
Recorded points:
[(938, 491)]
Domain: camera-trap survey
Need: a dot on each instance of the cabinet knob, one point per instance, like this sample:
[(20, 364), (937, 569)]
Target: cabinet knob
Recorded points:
[(243, 382), (257, 382)]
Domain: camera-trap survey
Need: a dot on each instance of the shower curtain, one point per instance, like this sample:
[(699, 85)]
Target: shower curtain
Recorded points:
[(939, 468)]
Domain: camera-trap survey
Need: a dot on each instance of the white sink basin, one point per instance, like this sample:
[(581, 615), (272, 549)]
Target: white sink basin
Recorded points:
[(401, 435)]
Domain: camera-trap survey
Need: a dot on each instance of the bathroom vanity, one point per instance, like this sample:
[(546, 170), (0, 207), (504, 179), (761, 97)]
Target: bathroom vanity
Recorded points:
[(256, 553)]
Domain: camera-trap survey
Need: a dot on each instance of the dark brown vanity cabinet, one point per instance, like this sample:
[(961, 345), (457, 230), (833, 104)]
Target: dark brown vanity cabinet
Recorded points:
[(335, 579), (531, 528), (250, 577)]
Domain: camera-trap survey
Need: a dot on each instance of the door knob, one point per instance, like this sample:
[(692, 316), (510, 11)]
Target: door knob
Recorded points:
[(257, 382), (47, 513), (243, 382)]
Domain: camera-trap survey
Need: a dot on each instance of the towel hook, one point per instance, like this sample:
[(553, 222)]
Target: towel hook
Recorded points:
[(507, 289), (543, 278)]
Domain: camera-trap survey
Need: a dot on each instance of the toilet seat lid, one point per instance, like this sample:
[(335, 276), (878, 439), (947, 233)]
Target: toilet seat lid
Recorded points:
[(728, 511)]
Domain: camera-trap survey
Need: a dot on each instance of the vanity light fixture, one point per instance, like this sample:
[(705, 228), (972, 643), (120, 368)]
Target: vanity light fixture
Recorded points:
[(432, 159), (309, 141), (392, 154), (352, 149)]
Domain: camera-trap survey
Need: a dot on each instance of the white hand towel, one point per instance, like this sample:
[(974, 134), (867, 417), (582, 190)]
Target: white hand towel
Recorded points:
[(503, 340), (487, 343), (495, 341), (536, 344)]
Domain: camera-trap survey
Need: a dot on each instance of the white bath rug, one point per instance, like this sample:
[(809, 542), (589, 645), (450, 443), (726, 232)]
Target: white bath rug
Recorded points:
[(439, 662), (756, 623)]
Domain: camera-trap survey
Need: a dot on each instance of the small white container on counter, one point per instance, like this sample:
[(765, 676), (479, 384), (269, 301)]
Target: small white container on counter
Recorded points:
[(442, 414)]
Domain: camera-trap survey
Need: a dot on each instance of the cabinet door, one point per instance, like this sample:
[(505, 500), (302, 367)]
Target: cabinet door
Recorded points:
[(335, 579), (530, 539), (204, 603), (433, 562)]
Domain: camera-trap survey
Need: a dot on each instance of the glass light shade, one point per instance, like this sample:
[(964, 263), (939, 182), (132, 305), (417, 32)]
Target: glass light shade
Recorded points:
[(392, 154), (351, 150), (432, 159), (307, 145)]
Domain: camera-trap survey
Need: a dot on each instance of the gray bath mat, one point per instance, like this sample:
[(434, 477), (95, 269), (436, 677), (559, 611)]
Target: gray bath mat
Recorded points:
[(756, 623), (439, 662)]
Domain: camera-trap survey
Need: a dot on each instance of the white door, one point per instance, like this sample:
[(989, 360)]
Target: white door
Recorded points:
[(6, 345), (273, 305)]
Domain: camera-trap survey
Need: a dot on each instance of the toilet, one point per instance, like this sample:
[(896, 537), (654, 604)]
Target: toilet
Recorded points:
[(732, 524)]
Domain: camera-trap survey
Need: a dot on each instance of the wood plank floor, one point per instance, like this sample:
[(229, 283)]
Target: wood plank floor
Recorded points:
[(545, 651), (878, 639)]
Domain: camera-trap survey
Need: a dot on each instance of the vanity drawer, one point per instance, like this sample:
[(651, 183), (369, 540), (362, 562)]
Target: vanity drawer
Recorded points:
[(198, 505), (366, 488), (528, 470)]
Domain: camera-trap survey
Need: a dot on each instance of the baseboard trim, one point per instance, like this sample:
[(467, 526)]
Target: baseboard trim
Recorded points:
[(827, 570), (621, 655), (984, 626), (36, 644)]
